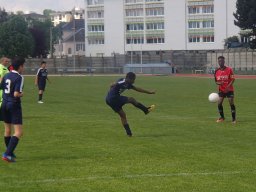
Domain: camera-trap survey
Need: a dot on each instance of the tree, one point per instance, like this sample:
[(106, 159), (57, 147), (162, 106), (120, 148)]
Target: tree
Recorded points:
[(47, 12), (15, 38), (3, 15), (41, 35), (246, 18)]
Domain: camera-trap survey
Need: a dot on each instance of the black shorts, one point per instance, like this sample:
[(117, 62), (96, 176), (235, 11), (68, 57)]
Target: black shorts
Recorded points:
[(229, 94), (41, 85), (11, 113), (117, 103)]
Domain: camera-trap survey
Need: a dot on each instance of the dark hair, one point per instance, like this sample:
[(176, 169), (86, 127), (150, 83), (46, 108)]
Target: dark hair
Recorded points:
[(17, 62), (43, 62), (221, 57), (130, 75)]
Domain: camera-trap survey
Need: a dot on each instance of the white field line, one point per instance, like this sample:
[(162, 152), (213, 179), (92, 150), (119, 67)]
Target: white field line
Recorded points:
[(136, 176)]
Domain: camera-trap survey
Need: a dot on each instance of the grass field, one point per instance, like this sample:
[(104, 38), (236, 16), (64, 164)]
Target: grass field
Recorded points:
[(74, 142)]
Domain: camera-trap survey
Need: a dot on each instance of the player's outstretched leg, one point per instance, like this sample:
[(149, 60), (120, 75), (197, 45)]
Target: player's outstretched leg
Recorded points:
[(145, 109), (125, 123)]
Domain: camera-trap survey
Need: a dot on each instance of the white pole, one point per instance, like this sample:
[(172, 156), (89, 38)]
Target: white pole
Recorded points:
[(74, 41)]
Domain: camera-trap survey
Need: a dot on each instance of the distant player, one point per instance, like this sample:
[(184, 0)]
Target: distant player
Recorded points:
[(40, 81), (12, 85), (224, 77), (116, 101)]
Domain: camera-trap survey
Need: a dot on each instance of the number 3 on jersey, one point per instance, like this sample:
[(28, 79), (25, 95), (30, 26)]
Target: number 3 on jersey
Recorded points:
[(8, 86)]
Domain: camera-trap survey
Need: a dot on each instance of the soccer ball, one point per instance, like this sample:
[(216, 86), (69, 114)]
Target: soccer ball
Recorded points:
[(213, 97)]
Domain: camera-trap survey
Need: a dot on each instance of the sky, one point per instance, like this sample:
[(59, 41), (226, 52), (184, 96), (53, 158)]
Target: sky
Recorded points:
[(39, 5)]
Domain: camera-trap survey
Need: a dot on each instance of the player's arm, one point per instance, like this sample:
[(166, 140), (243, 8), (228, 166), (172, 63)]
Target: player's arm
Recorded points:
[(48, 79), (18, 87), (18, 94), (143, 90), (36, 80)]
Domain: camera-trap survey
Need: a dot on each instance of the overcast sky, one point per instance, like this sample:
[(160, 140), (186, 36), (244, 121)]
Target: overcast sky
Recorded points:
[(39, 5)]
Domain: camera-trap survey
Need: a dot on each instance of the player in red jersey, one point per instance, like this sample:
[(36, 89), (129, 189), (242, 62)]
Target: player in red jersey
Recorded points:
[(224, 77)]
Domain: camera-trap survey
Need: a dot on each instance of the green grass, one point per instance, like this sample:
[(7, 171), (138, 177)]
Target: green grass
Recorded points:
[(74, 142)]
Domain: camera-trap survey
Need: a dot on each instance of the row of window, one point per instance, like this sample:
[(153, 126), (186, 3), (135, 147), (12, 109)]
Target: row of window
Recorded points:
[(200, 24), (198, 39), (96, 28), (95, 2), (201, 9), (96, 41), (149, 40), (95, 14), (140, 26), (149, 12), (140, 1)]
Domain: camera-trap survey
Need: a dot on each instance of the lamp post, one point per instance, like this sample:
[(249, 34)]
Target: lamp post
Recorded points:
[(74, 40)]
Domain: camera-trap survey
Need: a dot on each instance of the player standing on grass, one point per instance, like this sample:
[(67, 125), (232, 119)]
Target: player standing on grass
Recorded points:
[(116, 101), (40, 80), (12, 85), (224, 77)]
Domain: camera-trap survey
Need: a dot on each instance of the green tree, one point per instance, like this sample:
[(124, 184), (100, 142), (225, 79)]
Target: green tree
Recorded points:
[(47, 12), (3, 15), (15, 38), (41, 35), (246, 18)]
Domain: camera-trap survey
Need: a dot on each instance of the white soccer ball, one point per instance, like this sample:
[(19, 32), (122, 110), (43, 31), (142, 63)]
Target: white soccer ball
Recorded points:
[(213, 97)]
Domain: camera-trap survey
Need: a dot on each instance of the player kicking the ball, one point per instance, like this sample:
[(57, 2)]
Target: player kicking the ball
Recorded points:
[(224, 77), (116, 101)]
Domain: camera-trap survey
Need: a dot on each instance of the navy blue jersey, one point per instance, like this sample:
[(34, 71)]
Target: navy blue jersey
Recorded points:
[(117, 89), (12, 82), (42, 75)]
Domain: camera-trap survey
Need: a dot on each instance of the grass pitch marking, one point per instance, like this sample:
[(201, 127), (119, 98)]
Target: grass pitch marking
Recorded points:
[(137, 176)]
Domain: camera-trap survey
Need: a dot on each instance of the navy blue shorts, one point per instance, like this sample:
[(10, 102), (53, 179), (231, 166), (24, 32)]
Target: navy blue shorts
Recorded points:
[(41, 85), (117, 103), (11, 113), (229, 94)]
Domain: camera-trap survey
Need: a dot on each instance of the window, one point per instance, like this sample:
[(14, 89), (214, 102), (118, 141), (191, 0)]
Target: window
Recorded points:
[(155, 26), (95, 14), (193, 24), (193, 9), (155, 11), (208, 24), (96, 41), (155, 40), (135, 40), (154, 0), (209, 38), (134, 12), (133, 1), (69, 51), (194, 39), (208, 9), (80, 47), (95, 2), (96, 28), (135, 27)]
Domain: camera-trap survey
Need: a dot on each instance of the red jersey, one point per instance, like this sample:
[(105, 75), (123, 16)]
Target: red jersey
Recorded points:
[(224, 76)]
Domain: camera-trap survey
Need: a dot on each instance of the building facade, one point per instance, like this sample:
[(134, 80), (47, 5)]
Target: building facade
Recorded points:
[(126, 26)]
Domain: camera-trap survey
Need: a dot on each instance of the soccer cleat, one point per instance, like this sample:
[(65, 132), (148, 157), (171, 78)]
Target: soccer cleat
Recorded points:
[(40, 102), (128, 132), (234, 121), (220, 120), (151, 108), (8, 158)]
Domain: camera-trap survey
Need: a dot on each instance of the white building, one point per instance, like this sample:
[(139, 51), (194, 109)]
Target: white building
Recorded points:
[(120, 26), (66, 16)]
